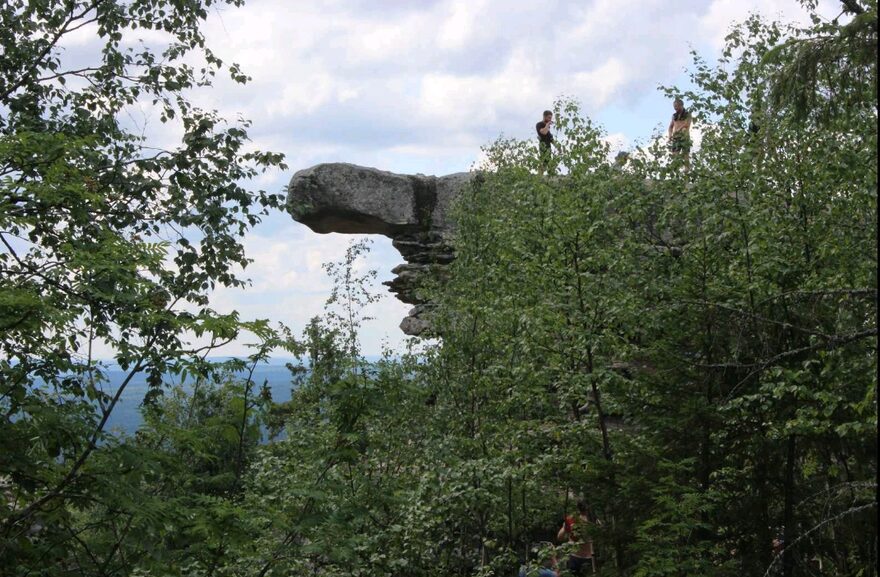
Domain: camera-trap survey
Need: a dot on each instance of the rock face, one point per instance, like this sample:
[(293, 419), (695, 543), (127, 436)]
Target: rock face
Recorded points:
[(412, 210)]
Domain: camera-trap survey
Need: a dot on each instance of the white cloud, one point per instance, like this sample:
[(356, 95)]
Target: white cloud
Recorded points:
[(385, 41), (461, 25), (601, 84), (84, 36), (603, 20), (719, 18), (461, 101), (303, 98)]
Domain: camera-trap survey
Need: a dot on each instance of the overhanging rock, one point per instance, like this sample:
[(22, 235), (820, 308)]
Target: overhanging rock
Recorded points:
[(412, 210)]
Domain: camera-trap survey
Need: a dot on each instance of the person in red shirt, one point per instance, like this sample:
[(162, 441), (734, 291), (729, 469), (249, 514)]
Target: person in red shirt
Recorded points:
[(574, 530)]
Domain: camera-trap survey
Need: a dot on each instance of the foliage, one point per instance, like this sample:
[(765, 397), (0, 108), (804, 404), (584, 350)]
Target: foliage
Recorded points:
[(803, 80), (725, 312), (690, 347), (108, 240), (175, 510)]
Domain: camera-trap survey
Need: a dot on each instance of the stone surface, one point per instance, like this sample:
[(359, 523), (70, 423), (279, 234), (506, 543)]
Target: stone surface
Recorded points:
[(412, 210)]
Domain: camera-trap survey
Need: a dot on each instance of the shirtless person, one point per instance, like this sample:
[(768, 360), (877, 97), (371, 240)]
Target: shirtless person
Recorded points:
[(574, 530), (680, 130)]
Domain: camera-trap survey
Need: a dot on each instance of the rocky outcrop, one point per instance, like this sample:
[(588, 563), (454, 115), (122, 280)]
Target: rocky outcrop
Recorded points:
[(412, 210)]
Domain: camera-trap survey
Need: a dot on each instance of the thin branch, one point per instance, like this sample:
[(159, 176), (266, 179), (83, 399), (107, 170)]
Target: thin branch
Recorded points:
[(85, 546), (48, 48), (41, 276), (79, 72), (244, 413), (291, 535), (746, 313), (122, 535), (831, 342), (839, 487), (823, 293), (851, 511), (85, 22), (78, 464)]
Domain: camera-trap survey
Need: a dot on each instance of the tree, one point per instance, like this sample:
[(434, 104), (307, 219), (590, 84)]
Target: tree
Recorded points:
[(332, 495), (726, 314), (170, 497), (832, 70), (794, 224), (693, 352), (106, 238)]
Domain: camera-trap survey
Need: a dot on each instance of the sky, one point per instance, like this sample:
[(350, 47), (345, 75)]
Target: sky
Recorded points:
[(418, 86)]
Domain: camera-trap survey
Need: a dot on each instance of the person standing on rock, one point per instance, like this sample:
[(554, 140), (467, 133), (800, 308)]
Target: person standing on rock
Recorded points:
[(545, 142), (680, 131)]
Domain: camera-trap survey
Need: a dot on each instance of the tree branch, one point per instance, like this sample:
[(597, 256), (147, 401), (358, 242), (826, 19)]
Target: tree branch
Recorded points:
[(78, 464), (830, 342), (48, 48)]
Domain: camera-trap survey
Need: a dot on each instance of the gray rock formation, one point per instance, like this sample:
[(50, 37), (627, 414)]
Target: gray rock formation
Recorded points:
[(412, 210)]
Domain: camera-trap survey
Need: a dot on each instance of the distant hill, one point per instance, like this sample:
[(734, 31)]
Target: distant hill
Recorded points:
[(126, 416)]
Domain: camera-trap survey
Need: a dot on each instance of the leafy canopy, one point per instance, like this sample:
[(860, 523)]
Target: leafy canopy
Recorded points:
[(106, 236)]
